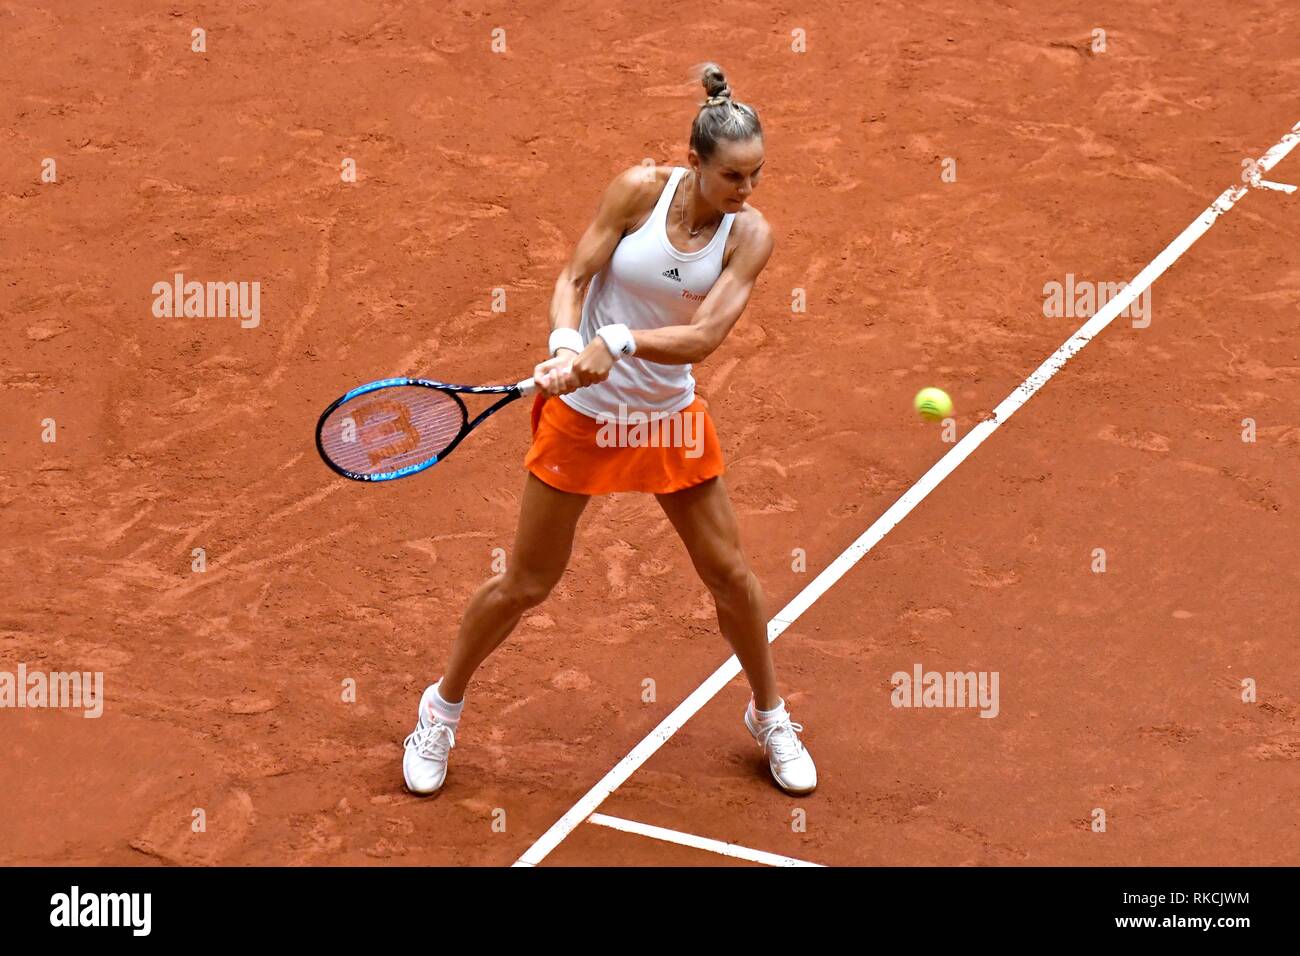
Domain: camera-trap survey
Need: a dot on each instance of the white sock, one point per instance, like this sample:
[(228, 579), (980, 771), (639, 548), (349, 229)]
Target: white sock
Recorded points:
[(446, 712), (767, 716)]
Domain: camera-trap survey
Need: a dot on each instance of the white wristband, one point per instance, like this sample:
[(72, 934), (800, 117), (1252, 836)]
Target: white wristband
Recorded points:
[(564, 338), (618, 339)]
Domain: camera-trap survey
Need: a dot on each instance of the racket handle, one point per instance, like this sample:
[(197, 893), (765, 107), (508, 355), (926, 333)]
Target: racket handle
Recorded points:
[(528, 385)]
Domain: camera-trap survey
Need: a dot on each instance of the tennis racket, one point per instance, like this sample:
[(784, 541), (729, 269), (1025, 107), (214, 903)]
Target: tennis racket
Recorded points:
[(400, 426)]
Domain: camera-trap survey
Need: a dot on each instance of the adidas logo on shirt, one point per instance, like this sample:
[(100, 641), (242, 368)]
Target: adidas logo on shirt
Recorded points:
[(672, 274)]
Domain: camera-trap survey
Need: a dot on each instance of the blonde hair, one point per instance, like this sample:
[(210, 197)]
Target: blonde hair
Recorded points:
[(720, 117)]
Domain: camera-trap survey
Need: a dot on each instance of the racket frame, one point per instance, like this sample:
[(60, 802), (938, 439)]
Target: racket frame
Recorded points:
[(511, 392)]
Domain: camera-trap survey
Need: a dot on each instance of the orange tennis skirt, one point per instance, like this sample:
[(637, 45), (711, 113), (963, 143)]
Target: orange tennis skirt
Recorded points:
[(583, 455)]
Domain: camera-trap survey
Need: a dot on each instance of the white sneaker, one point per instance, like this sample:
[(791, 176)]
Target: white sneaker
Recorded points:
[(424, 765), (791, 763)]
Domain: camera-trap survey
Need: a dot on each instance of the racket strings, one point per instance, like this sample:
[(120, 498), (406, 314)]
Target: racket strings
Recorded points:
[(398, 427)]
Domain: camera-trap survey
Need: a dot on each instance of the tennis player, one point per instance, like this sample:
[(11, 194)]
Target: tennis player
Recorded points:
[(667, 268)]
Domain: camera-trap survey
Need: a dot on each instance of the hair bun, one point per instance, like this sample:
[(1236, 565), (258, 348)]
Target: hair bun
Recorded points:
[(716, 88), (717, 99)]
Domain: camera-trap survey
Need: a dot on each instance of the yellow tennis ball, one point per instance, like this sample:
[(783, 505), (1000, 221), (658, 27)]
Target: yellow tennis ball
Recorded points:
[(933, 403)]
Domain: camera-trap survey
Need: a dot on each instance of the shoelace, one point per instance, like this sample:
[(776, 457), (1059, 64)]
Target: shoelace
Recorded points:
[(780, 737), (433, 742)]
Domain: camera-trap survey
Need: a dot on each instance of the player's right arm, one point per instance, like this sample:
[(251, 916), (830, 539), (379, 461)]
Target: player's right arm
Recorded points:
[(619, 207)]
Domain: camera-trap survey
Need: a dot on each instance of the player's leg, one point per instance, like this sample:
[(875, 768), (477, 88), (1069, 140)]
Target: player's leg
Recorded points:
[(548, 519), (704, 518)]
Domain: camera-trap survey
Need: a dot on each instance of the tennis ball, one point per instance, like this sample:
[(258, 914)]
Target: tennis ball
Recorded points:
[(933, 403)]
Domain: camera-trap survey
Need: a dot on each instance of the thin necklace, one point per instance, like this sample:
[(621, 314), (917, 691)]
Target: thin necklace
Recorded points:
[(684, 222)]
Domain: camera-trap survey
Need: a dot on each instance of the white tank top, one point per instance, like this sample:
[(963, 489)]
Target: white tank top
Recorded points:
[(647, 284)]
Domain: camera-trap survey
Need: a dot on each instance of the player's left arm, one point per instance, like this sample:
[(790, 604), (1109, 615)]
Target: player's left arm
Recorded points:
[(721, 308)]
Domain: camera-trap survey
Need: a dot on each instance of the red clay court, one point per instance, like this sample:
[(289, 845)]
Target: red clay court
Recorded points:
[(931, 167)]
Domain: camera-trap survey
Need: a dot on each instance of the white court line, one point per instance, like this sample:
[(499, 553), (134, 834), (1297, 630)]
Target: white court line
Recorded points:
[(698, 842), (899, 510), (1279, 187)]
